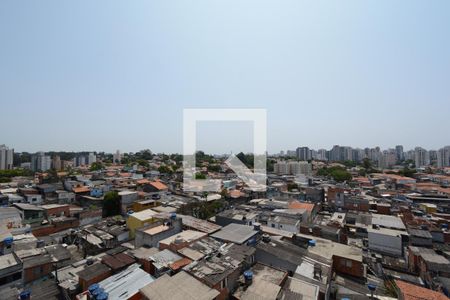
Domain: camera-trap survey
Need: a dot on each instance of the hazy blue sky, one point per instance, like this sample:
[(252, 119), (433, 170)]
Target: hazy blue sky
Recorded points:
[(106, 75)]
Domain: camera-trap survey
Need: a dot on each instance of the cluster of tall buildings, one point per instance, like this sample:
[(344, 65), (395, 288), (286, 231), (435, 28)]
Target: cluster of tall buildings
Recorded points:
[(384, 158), (83, 160), (6, 158), (42, 162), (292, 168)]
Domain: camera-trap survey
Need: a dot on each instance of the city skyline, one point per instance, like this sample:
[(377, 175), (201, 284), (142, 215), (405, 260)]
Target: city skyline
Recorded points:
[(284, 150)]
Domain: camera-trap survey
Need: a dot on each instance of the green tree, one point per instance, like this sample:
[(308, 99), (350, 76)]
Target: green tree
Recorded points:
[(96, 166), (111, 204), (337, 173), (165, 170), (200, 176)]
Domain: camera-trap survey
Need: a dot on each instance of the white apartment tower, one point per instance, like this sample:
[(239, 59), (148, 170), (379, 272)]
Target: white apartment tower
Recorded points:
[(421, 157), (443, 157), (91, 158), (6, 158)]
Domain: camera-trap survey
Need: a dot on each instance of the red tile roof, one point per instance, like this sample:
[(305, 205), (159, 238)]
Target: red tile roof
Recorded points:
[(301, 205), (159, 185), (180, 263), (413, 292), (81, 189)]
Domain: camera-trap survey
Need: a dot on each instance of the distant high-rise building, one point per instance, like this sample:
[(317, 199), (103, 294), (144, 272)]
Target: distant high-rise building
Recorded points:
[(322, 154), (300, 167), (291, 153), (399, 152), (56, 163), (292, 168), (79, 161), (281, 168), (335, 153), (410, 155), (91, 158), (6, 158), (41, 162), (388, 158), (117, 157), (421, 157), (303, 153), (443, 157)]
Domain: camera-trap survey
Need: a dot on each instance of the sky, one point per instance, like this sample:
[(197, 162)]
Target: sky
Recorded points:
[(107, 75)]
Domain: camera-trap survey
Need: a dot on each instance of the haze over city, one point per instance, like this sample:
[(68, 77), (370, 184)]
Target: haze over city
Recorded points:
[(107, 75)]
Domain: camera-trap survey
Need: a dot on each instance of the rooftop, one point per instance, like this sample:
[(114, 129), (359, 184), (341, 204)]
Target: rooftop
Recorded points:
[(328, 249), (413, 292), (200, 225), (93, 271), (157, 229), (235, 233), (185, 236), (144, 215), (35, 261), (26, 206), (164, 258), (420, 233), (388, 221), (299, 289), (123, 285), (181, 286), (7, 261), (143, 252)]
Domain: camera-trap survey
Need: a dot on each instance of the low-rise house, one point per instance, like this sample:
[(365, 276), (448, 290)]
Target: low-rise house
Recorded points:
[(390, 222), (421, 238), (65, 197), (154, 187), (10, 269), (36, 267), (190, 222), (152, 234), (428, 264), (142, 255), (93, 274), (260, 282), (222, 270), (118, 261), (160, 262), (311, 209), (33, 198), (408, 291), (30, 214), (299, 289), (181, 240), (140, 219), (237, 216), (127, 199), (126, 284), (356, 203), (144, 204), (386, 241), (201, 248), (56, 210)]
